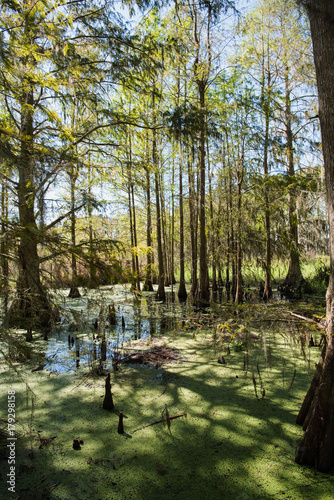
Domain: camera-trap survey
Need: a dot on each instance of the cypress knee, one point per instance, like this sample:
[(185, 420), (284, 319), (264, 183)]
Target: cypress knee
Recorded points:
[(120, 429), (108, 403)]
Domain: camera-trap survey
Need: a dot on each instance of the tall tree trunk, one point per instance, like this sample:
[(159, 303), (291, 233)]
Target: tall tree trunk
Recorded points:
[(203, 294), (74, 292), (164, 234), (4, 249), (31, 308), (133, 263), (148, 287), (317, 412), (267, 286), (212, 225), (92, 268), (135, 240), (161, 295), (239, 285), (193, 219), (132, 216), (134, 222), (182, 292), (294, 278)]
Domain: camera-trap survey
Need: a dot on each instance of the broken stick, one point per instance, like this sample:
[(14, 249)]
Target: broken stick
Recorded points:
[(160, 421)]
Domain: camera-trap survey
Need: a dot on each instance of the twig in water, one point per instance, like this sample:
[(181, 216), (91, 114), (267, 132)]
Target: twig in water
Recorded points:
[(293, 378), (161, 420), (254, 383)]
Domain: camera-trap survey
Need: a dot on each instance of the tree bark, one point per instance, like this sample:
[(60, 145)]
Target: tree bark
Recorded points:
[(317, 412), (4, 249), (31, 308)]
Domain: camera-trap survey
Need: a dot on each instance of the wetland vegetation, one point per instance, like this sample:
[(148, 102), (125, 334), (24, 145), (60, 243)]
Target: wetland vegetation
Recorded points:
[(237, 377), (166, 249)]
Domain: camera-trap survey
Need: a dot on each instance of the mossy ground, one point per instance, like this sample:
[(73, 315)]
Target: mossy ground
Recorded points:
[(231, 445)]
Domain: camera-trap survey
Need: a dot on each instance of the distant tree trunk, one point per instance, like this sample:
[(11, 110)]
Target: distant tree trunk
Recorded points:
[(239, 285), (135, 241), (133, 263), (229, 202), (92, 268), (317, 412), (132, 217), (163, 226), (74, 292), (201, 74), (231, 284), (212, 225), (161, 295), (172, 232), (202, 294), (182, 292), (193, 220), (294, 278), (148, 287), (267, 287)]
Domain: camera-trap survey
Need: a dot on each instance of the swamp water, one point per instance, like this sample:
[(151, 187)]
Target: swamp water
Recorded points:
[(238, 439), (86, 340), (85, 337)]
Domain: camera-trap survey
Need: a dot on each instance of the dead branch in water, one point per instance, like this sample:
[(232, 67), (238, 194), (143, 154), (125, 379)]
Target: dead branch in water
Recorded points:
[(308, 320), (163, 419)]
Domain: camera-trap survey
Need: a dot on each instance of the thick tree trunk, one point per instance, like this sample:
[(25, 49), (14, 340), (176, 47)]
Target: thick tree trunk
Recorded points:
[(31, 308), (317, 412)]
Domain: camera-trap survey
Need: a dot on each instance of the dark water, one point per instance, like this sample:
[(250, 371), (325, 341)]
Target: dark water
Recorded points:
[(77, 343)]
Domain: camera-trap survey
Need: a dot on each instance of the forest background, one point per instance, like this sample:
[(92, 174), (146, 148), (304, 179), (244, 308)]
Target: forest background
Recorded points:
[(183, 146)]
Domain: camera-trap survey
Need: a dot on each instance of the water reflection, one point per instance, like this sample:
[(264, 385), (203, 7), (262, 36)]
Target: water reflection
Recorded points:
[(94, 338)]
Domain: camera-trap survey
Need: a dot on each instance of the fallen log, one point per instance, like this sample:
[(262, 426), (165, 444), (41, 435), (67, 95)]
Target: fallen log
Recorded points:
[(308, 320)]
